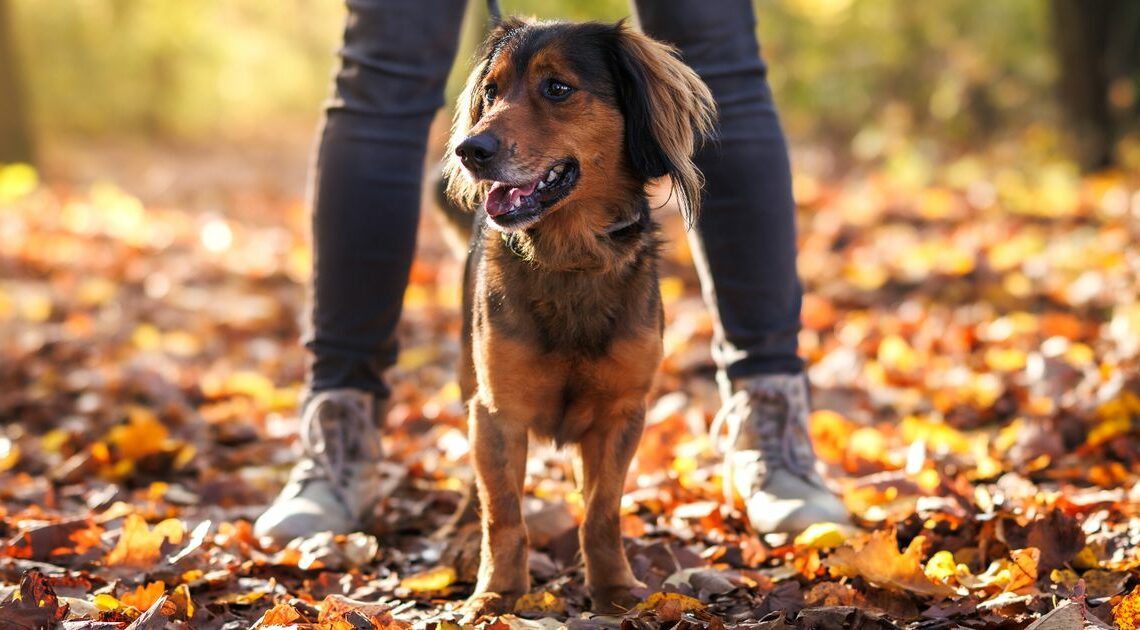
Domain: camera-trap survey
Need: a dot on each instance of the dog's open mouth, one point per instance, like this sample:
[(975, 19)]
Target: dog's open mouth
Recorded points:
[(514, 206)]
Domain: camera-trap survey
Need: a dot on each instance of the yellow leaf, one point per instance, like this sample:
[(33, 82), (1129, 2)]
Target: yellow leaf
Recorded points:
[(545, 603), (1085, 559), (822, 536), (240, 598), (9, 454), (896, 355), (146, 337), (1126, 613), (106, 601), (1004, 359), (940, 436), (941, 566), (435, 579), (17, 180)]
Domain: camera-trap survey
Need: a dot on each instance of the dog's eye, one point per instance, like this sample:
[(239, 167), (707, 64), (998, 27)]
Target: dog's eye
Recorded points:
[(556, 90), (490, 91)]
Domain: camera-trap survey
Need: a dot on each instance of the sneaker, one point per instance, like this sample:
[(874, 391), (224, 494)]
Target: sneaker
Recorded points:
[(336, 483), (769, 462)]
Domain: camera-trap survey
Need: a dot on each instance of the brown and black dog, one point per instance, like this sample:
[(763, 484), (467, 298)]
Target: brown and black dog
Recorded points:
[(559, 130)]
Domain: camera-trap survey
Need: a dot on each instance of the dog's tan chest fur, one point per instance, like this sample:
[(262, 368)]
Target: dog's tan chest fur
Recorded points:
[(560, 397)]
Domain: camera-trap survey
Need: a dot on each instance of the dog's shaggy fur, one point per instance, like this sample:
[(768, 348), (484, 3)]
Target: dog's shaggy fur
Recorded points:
[(559, 130)]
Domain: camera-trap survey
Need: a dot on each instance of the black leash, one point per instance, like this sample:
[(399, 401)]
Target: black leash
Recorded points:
[(495, 11)]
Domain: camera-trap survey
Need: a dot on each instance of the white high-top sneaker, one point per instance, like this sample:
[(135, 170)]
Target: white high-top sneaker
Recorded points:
[(769, 461), (336, 483)]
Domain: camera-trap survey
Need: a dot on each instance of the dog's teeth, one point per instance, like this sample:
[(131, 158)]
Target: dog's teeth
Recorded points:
[(541, 185), (558, 169), (553, 175), (517, 202)]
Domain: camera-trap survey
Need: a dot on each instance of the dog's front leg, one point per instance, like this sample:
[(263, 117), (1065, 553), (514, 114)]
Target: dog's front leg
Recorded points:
[(499, 445), (606, 455)]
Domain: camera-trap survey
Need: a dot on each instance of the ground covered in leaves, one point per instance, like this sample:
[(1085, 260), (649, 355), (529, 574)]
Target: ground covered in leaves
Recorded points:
[(972, 327)]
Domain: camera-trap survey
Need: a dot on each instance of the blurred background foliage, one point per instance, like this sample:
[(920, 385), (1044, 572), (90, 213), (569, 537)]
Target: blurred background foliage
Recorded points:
[(850, 74)]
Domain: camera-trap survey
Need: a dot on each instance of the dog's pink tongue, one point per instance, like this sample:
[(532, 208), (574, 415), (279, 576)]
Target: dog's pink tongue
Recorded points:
[(502, 197)]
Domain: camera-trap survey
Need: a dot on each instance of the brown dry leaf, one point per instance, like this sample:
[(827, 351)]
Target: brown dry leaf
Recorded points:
[(35, 605), (49, 541), (1069, 615), (140, 546), (668, 606), (1017, 574), (876, 558), (335, 607)]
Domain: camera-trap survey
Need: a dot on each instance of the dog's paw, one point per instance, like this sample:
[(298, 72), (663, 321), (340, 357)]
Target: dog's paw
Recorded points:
[(615, 599), (487, 604)]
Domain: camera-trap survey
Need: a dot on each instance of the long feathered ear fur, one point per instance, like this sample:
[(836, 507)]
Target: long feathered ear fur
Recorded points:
[(668, 112), (464, 191)]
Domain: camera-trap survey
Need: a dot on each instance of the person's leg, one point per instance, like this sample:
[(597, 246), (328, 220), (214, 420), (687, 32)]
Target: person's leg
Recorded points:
[(366, 182), (745, 250), (745, 238), (365, 197)]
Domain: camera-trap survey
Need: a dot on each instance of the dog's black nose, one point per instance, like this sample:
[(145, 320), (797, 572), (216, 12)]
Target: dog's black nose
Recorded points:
[(477, 150)]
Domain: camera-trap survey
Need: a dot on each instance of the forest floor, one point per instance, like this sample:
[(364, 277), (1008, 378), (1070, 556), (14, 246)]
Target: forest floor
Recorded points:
[(972, 328)]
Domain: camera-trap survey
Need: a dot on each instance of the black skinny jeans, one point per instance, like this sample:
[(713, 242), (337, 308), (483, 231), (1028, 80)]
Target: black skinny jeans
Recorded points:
[(368, 174)]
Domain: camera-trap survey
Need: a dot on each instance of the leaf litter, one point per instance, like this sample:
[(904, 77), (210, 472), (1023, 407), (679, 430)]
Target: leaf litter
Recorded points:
[(975, 358)]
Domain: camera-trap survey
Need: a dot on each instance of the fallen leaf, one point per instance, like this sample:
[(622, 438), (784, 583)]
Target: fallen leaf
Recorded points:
[(144, 597), (429, 581), (139, 546), (876, 558), (668, 606)]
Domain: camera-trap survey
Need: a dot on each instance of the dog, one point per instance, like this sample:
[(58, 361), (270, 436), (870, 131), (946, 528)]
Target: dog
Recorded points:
[(558, 132)]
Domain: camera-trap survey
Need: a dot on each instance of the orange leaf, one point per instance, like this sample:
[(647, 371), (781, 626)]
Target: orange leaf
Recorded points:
[(139, 546), (669, 606), (142, 435), (877, 559), (1126, 613), (280, 615), (144, 597)]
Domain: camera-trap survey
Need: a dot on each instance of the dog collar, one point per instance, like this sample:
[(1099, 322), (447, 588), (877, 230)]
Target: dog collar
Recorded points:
[(640, 220)]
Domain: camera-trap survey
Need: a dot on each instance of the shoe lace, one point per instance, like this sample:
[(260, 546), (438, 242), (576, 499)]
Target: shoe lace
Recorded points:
[(334, 437), (770, 423)]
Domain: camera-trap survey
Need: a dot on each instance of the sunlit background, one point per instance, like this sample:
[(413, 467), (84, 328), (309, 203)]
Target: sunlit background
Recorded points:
[(867, 79)]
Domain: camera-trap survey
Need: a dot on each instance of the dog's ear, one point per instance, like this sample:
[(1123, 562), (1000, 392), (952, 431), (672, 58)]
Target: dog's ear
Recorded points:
[(668, 112), (469, 109)]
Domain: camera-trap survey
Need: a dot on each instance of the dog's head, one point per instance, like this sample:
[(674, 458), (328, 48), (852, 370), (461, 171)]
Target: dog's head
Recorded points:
[(556, 113)]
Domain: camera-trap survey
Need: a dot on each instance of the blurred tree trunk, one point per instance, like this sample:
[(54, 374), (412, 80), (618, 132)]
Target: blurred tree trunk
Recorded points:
[(1096, 44), (15, 134)]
